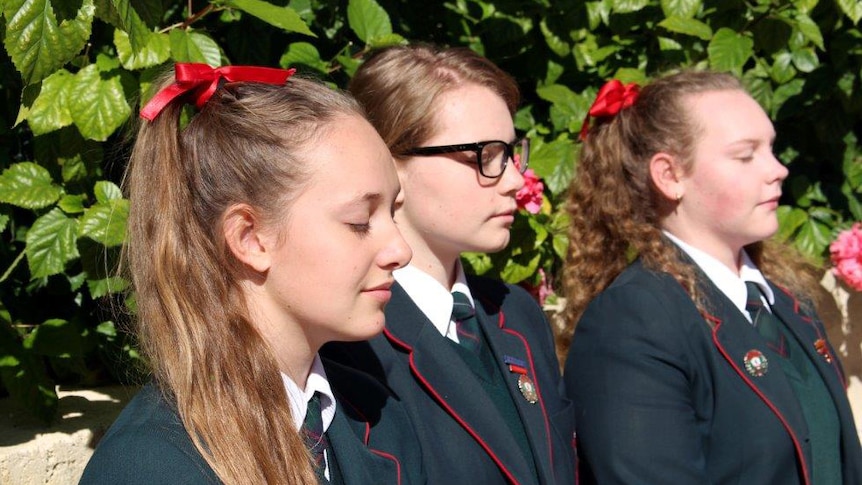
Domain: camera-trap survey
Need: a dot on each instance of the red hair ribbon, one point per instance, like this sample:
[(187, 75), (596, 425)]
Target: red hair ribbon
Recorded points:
[(612, 97), (202, 81)]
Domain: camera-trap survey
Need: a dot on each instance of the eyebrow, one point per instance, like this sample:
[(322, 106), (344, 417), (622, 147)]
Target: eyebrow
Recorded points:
[(369, 197), (751, 141)]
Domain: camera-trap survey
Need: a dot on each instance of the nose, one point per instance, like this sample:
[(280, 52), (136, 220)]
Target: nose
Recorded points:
[(396, 253), (780, 172), (511, 181)]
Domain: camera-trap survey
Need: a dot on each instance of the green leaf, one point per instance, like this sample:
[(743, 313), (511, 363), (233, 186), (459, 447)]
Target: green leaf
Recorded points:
[(55, 338), (805, 59), (729, 51), (559, 46), (568, 108), (109, 285), (189, 46), (72, 204), (681, 8), (367, 19), (809, 29), (284, 18), (24, 375), (515, 272), (156, 51), (387, 40), (598, 13), (51, 244), (50, 110), (782, 68), (28, 185), (813, 237), (628, 6), (4, 221), (554, 163), (132, 25), (852, 9), (687, 26), (106, 191), (106, 222), (305, 54), (37, 43), (790, 219), (98, 105)]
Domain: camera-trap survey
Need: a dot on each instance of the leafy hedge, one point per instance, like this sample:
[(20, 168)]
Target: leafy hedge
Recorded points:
[(74, 71)]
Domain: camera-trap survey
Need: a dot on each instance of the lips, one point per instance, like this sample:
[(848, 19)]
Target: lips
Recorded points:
[(381, 292)]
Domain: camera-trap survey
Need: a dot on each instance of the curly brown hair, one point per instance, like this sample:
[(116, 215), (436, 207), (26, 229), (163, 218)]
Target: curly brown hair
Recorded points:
[(616, 210)]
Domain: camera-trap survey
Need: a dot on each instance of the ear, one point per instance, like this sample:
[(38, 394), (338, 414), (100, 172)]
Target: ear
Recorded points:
[(245, 238), (666, 175)]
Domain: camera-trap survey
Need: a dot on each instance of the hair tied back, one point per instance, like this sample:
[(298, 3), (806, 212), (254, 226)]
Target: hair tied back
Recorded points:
[(201, 81), (612, 98)]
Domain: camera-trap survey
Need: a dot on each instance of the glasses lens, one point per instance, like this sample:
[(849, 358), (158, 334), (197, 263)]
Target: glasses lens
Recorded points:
[(493, 158), (522, 154)]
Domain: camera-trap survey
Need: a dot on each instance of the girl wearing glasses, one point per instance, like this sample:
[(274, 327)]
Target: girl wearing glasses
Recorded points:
[(246, 256), (701, 361), (482, 385)]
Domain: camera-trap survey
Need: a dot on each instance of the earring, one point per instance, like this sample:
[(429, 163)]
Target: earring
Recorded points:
[(678, 197)]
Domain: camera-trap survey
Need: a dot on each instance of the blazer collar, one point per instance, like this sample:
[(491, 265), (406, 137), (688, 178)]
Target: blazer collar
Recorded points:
[(440, 371)]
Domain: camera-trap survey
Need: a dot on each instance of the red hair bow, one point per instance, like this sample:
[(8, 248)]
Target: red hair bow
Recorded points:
[(612, 97), (202, 81)]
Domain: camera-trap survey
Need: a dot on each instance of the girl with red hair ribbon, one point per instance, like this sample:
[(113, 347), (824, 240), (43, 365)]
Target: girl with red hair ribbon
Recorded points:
[(692, 355), (252, 241)]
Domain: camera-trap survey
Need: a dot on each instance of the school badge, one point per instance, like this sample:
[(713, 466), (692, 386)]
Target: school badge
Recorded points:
[(823, 349), (756, 363), (525, 384)]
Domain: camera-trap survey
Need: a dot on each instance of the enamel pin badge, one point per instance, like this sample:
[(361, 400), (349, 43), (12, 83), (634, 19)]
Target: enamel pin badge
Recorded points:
[(823, 349), (756, 363), (525, 384)]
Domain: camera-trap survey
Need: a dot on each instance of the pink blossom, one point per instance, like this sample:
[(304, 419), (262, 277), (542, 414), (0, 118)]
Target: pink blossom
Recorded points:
[(542, 291), (530, 196), (846, 252)]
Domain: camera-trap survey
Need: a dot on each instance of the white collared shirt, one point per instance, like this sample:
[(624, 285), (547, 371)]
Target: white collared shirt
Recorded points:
[(432, 298), (728, 282), (298, 398)]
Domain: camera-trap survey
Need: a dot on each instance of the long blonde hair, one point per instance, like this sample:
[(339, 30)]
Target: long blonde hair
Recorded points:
[(616, 209), (192, 319)]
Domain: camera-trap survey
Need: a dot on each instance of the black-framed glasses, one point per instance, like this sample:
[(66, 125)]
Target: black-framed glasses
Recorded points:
[(491, 156)]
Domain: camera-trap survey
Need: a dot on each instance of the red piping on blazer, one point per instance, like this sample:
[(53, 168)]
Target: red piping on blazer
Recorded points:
[(769, 403), (451, 411)]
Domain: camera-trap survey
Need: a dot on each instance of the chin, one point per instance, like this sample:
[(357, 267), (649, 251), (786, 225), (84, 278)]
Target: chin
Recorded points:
[(487, 246)]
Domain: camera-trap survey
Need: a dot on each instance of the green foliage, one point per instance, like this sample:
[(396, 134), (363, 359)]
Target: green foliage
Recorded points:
[(76, 71)]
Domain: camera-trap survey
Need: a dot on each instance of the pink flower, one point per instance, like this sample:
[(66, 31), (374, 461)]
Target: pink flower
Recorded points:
[(542, 291), (846, 252), (530, 196)]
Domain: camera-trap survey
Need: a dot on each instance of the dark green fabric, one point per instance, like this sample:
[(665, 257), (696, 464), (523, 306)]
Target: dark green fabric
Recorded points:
[(824, 430), (495, 387)]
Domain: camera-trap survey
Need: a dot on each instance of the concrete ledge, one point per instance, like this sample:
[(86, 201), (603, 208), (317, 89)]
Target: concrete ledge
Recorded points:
[(33, 454)]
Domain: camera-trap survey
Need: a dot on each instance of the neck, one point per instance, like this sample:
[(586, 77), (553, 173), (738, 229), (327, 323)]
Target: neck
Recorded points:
[(730, 256), (438, 262), (291, 346)]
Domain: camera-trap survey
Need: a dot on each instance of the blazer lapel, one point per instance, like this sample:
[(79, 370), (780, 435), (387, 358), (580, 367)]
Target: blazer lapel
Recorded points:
[(740, 344), (441, 371), (811, 340), (513, 357), (359, 463)]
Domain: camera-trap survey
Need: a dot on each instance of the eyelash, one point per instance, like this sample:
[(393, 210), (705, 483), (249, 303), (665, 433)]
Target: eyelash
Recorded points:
[(361, 229)]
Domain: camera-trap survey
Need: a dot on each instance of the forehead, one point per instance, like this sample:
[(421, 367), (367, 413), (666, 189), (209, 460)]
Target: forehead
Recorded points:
[(470, 113), (728, 116), (348, 157)]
